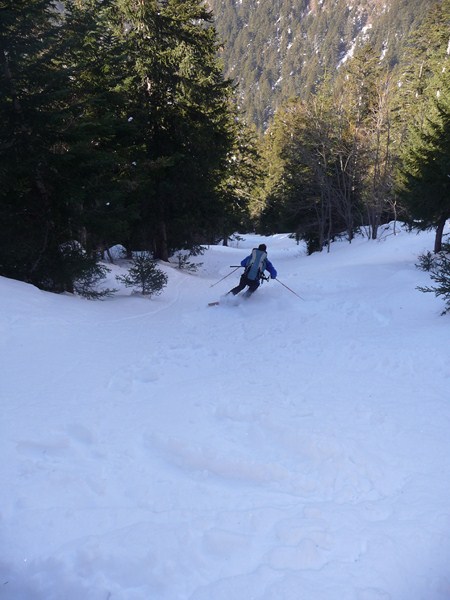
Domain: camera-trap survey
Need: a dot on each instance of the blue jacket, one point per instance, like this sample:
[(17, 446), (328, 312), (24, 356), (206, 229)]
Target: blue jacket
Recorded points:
[(268, 266)]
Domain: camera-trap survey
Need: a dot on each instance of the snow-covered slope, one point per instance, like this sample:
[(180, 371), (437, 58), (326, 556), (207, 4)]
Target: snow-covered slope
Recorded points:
[(280, 449)]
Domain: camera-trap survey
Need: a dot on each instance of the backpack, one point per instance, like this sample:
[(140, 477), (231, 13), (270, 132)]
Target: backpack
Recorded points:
[(256, 265)]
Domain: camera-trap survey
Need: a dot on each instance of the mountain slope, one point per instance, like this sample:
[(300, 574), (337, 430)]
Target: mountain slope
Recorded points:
[(278, 48)]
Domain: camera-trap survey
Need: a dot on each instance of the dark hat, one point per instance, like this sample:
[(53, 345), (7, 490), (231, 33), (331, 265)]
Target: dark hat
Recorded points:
[(262, 247)]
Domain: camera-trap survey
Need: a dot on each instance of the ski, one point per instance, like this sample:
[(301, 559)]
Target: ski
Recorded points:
[(214, 303)]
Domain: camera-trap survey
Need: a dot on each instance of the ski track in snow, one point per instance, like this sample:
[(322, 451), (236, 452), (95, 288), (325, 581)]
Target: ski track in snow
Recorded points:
[(276, 449)]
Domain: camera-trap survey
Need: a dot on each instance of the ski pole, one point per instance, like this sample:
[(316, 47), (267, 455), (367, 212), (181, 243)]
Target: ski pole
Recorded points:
[(288, 288), (225, 276)]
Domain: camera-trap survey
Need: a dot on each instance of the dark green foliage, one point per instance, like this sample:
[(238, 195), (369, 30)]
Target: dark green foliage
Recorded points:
[(368, 89), (426, 261), (183, 262), (425, 181), (240, 190), (86, 273), (144, 276), (423, 59), (34, 219), (71, 269), (55, 163), (179, 106), (116, 126), (440, 274), (98, 135), (86, 285)]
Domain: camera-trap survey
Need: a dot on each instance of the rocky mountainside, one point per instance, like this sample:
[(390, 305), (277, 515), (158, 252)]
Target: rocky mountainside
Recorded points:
[(275, 49)]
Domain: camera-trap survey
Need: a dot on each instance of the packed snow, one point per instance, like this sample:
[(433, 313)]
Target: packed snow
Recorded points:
[(278, 448)]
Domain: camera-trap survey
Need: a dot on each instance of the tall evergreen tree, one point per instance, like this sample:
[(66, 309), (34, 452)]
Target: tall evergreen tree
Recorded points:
[(34, 219), (62, 154), (424, 101), (178, 104), (240, 189), (425, 182), (98, 131)]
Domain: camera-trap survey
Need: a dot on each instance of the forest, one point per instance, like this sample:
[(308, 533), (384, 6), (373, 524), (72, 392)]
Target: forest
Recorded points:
[(279, 49), (119, 125)]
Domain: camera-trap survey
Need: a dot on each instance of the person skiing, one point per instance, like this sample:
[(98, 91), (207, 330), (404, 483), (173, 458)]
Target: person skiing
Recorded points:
[(255, 264)]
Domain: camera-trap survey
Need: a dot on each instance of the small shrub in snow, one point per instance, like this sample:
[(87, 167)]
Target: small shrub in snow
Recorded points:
[(144, 276), (82, 272), (446, 247), (197, 250), (440, 273), (426, 261), (86, 285), (235, 238), (183, 262)]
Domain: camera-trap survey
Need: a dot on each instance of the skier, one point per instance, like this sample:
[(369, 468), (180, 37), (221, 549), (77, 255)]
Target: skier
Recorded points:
[(255, 264)]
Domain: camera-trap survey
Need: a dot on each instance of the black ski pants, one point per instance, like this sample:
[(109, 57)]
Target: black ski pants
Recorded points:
[(253, 285)]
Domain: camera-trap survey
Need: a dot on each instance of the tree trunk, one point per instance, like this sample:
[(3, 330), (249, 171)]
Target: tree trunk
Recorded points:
[(375, 225), (161, 248), (439, 233)]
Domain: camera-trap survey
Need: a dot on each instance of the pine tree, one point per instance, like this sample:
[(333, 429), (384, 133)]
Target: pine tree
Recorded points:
[(425, 174), (178, 102), (423, 180), (240, 190), (439, 269), (99, 133), (144, 276), (50, 135), (31, 116)]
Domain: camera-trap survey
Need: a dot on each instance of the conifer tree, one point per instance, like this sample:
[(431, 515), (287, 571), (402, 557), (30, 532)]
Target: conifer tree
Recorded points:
[(240, 190), (99, 133), (425, 92), (425, 174), (54, 157), (178, 103), (34, 217), (115, 127)]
